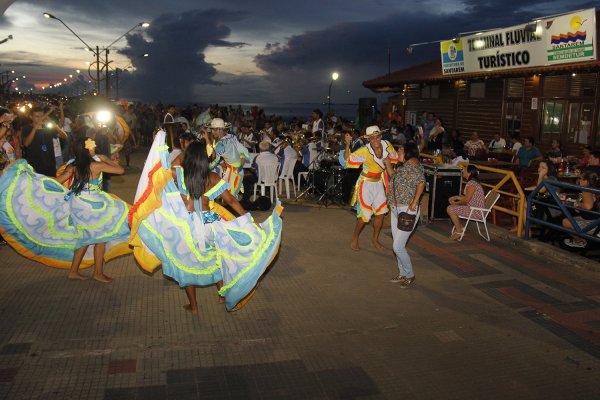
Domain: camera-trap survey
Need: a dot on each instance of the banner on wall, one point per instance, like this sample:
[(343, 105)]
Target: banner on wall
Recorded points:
[(565, 39)]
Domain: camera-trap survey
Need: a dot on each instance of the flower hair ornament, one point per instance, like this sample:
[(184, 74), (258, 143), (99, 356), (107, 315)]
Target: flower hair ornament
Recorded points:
[(90, 144)]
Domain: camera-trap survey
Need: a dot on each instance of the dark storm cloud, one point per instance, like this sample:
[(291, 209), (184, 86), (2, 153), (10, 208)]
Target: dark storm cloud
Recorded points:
[(176, 44)]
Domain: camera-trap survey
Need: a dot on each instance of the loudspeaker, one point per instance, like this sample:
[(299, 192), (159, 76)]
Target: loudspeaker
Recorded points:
[(367, 111), (441, 183)]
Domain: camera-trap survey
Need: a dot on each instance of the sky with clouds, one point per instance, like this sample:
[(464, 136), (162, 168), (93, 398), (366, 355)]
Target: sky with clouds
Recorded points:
[(238, 51)]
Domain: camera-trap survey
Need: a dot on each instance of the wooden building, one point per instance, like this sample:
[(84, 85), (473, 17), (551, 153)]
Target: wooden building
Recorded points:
[(546, 102)]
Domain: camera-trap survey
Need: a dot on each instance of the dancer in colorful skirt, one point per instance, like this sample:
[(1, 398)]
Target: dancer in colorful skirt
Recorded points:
[(176, 223), (369, 196), (46, 222), (231, 152)]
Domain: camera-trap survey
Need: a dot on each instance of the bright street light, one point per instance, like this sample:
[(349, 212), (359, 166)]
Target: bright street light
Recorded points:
[(334, 77)]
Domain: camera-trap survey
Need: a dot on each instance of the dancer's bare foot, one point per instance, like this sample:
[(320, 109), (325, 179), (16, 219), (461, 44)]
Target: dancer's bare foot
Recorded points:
[(76, 276), (221, 300), (377, 245), (102, 278), (354, 245), (191, 310)]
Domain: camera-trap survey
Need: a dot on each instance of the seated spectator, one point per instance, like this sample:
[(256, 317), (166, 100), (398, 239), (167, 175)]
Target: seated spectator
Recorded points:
[(583, 161), (498, 143), (459, 157), (555, 153), (265, 156), (475, 148), (461, 205), (593, 164), (528, 153), (514, 143), (587, 201)]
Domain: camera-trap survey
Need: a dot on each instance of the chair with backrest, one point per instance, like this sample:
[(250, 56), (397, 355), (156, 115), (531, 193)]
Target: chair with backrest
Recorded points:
[(479, 215), (287, 175), (267, 177)]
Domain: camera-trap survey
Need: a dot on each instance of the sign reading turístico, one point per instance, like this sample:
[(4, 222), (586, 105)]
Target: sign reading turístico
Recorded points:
[(564, 39)]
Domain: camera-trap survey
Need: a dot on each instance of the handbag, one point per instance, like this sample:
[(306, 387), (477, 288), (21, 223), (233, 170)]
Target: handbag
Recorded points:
[(406, 221)]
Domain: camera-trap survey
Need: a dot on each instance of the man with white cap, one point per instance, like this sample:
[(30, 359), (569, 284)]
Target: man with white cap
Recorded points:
[(369, 198), (230, 152)]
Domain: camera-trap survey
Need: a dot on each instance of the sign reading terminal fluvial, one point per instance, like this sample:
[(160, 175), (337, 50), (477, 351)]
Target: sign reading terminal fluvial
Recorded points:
[(567, 38)]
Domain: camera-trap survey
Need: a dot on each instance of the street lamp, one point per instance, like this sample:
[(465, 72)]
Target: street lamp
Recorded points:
[(97, 51), (87, 47), (139, 24), (127, 67), (334, 77)]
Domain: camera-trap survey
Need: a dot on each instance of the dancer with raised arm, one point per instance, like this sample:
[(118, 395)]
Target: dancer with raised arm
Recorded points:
[(174, 223), (369, 196)]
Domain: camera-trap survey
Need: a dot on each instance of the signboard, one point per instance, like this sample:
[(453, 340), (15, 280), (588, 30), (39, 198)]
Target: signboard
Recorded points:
[(564, 39)]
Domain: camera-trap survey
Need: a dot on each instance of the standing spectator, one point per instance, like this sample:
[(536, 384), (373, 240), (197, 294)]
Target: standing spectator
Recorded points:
[(437, 136), (42, 143), (406, 187)]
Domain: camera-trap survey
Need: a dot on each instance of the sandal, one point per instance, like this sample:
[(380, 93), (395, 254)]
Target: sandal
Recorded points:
[(456, 235)]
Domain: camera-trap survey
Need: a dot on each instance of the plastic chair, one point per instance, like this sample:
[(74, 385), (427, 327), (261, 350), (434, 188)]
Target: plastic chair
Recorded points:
[(267, 177), (287, 175), (479, 215)]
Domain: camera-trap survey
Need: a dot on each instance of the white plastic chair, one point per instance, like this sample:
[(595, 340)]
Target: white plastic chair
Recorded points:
[(480, 217), (287, 175), (267, 177)]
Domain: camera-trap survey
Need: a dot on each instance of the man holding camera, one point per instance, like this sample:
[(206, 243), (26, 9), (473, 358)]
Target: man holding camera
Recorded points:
[(41, 142)]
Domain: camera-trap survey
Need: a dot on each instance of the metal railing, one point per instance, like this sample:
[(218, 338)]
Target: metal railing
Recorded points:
[(553, 201), (519, 196)]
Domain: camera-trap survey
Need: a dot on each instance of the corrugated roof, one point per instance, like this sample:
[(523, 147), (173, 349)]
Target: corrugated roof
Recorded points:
[(432, 71)]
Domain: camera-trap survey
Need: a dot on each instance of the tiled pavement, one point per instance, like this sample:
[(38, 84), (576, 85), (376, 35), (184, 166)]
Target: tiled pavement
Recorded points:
[(483, 321)]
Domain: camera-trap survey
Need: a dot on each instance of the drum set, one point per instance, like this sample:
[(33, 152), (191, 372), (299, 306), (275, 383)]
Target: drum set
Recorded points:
[(325, 178)]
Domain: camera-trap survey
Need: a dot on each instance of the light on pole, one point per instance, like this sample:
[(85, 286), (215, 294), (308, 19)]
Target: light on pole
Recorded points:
[(87, 48), (106, 49), (97, 51), (334, 77)]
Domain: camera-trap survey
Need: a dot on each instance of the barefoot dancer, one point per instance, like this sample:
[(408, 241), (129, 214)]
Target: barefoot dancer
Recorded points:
[(85, 197), (369, 193), (44, 221), (177, 224)]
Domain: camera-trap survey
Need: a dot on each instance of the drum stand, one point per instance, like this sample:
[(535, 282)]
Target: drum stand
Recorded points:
[(333, 191), (310, 178)]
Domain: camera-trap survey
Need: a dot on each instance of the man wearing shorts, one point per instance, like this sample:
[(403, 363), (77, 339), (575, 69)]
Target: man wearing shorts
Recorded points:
[(369, 198)]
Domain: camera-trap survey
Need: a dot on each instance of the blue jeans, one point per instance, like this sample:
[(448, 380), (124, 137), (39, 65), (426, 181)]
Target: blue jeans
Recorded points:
[(400, 239)]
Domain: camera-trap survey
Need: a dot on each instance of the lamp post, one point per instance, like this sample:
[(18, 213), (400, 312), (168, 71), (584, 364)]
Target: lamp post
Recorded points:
[(334, 77), (97, 51), (106, 49), (127, 67), (87, 47)]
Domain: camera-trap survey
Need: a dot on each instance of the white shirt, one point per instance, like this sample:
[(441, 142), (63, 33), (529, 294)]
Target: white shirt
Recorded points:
[(516, 147), (265, 157), (500, 144)]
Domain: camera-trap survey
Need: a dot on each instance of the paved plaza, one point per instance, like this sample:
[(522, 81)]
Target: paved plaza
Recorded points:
[(483, 321)]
